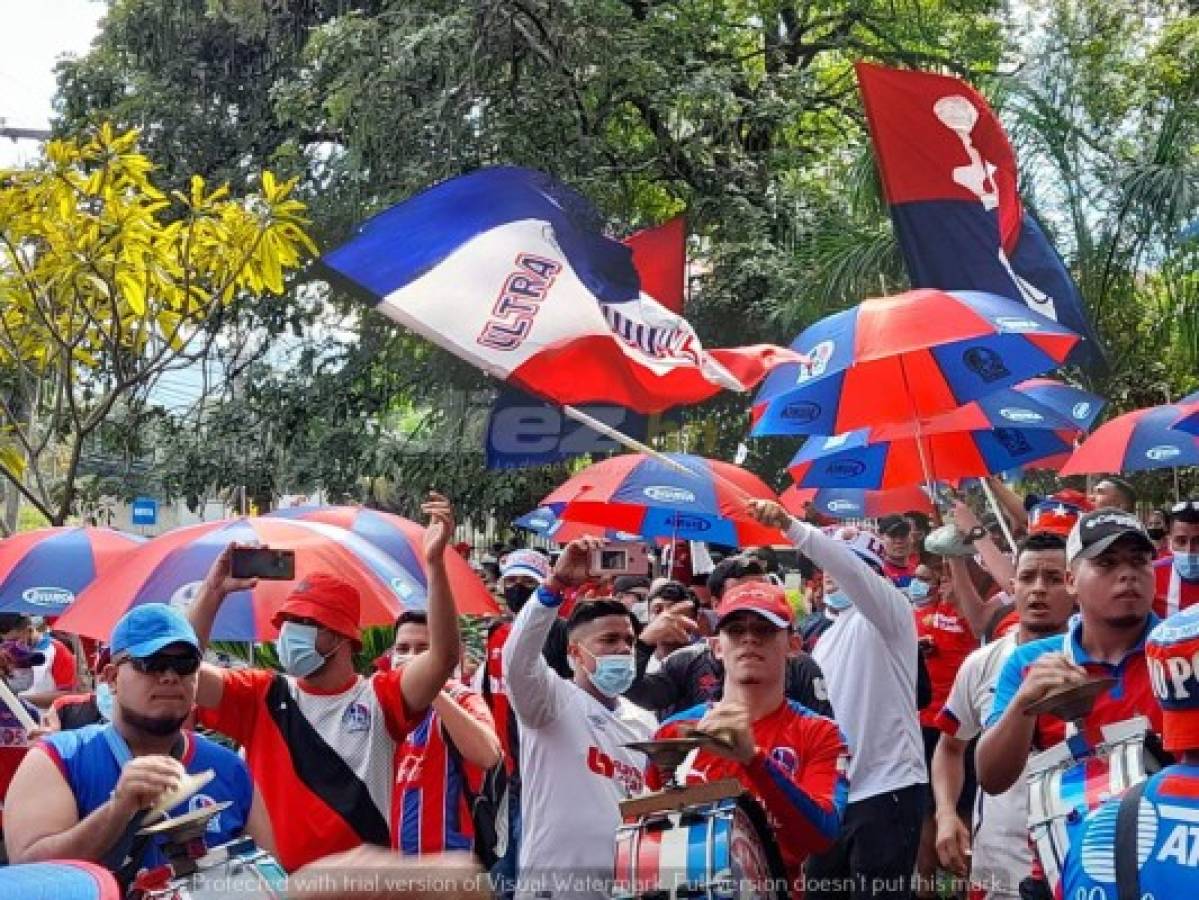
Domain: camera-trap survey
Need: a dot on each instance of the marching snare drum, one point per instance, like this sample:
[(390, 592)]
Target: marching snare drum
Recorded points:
[(238, 869), (1072, 778), (721, 850)]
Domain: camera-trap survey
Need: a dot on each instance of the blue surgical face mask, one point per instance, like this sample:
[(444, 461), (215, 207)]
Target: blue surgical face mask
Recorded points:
[(837, 601), (614, 673), (104, 700), (297, 649), (1187, 565), (919, 591)]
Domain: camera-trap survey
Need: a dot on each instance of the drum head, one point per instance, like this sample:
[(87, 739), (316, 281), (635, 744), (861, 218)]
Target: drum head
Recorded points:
[(1074, 702)]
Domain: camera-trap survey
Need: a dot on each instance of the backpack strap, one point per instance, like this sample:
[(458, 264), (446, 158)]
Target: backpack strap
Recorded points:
[(1128, 876)]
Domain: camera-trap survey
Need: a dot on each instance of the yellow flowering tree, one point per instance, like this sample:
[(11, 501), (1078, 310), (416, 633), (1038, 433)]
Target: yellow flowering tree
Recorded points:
[(106, 282)]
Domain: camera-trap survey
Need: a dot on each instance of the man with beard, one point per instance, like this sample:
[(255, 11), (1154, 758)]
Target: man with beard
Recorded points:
[(82, 794), (1110, 558), (1000, 856)]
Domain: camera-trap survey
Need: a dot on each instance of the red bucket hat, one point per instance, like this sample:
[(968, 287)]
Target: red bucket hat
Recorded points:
[(326, 599)]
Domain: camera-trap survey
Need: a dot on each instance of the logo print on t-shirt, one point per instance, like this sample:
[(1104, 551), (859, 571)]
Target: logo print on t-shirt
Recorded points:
[(785, 758), (203, 801), (356, 718)]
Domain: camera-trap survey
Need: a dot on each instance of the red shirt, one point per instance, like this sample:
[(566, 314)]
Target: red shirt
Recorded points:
[(797, 774), (430, 810), (952, 641), (1171, 593), (323, 762)]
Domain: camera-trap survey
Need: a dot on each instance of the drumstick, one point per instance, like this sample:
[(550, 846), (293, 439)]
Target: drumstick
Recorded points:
[(16, 707)]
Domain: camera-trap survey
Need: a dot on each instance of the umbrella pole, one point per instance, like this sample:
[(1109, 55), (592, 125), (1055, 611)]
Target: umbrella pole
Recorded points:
[(924, 467), (1007, 531)]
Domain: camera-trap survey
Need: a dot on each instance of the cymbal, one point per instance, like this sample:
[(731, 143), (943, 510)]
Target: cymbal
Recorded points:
[(188, 785), (1074, 702), (195, 817), (667, 753)]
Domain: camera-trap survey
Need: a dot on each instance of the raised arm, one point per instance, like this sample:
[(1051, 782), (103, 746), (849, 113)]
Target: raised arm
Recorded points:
[(873, 595), (218, 584), (426, 675)]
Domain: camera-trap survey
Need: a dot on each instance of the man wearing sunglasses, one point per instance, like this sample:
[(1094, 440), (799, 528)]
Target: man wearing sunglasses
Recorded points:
[(1176, 576), (83, 794)]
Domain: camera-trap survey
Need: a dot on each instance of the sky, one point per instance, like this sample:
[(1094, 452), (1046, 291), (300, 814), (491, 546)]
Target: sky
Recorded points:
[(36, 34)]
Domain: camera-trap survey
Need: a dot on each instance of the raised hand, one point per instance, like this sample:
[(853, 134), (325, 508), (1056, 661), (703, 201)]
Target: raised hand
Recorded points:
[(573, 566), (768, 513), (220, 581), (440, 528)]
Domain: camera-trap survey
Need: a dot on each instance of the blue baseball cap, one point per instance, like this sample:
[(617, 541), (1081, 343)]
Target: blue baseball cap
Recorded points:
[(146, 629)]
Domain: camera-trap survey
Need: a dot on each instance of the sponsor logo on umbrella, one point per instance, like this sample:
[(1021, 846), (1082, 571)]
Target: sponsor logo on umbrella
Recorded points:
[(818, 360), (1162, 451), (47, 596), (801, 411), (846, 468), (667, 494), (185, 595), (1017, 324), (1081, 409), (842, 506), (688, 523), (1016, 414), (403, 587)]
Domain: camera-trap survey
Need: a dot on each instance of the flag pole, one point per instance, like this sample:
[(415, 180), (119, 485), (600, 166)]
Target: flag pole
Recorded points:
[(1007, 531), (633, 444)]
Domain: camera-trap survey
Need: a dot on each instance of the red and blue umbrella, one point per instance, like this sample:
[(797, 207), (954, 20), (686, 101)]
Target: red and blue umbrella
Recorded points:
[(906, 357), (402, 540), (41, 572), (1141, 439), (544, 521), (888, 456), (640, 494), (1190, 421), (1080, 407), (170, 569), (855, 503)]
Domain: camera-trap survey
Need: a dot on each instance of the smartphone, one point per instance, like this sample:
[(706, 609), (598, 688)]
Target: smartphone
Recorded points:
[(619, 559), (263, 562)]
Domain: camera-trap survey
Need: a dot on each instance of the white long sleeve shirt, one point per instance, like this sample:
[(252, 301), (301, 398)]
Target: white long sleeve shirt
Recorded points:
[(574, 768), (868, 657)]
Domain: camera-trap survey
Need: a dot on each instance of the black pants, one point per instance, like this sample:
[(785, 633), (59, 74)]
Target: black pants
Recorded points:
[(876, 853)]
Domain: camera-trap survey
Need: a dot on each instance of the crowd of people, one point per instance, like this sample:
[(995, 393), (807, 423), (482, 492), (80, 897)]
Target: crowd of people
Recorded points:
[(886, 725)]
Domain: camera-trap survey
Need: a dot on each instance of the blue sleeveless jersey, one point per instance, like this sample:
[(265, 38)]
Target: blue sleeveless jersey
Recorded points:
[(1167, 843), (91, 768)]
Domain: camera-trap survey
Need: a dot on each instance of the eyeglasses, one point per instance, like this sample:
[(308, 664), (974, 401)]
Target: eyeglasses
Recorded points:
[(1184, 505), (163, 662)]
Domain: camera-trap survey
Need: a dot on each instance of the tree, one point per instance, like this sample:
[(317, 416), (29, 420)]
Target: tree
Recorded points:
[(107, 283)]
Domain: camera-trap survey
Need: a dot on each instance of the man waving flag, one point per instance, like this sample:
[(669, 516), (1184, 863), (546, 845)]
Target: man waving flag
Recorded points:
[(949, 175), (508, 269)]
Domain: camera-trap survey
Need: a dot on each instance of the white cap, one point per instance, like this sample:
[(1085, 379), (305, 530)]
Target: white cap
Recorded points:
[(528, 563)]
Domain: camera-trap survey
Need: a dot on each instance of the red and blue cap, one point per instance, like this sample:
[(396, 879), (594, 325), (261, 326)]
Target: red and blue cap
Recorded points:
[(147, 628), (1172, 655), (767, 600)]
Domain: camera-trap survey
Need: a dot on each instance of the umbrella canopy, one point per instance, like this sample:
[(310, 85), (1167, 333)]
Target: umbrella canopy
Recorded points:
[(888, 456), (913, 355), (1189, 421), (402, 540), (170, 568), (1141, 439), (1081, 407), (642, 495), (854, 503), (41, 572), (545, 522)]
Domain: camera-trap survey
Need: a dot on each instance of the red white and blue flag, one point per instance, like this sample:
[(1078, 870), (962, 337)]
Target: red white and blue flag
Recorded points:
[(949, 176), (509, 269)]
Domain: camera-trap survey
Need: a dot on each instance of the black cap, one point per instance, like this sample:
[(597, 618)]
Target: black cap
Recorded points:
[(673, 591), (894, 525), (1097, 530)]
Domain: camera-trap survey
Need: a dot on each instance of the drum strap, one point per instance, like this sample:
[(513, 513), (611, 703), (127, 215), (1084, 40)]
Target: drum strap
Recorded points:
[(1128, 886)]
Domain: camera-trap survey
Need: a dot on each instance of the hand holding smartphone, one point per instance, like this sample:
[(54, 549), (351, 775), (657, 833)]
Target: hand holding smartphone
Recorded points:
[(266, 563)]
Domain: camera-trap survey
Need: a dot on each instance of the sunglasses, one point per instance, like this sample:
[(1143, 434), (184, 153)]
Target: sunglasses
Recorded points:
[(163, 662)]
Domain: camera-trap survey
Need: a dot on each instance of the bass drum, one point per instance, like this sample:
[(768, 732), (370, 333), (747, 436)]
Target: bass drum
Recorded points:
[(722, 851)]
